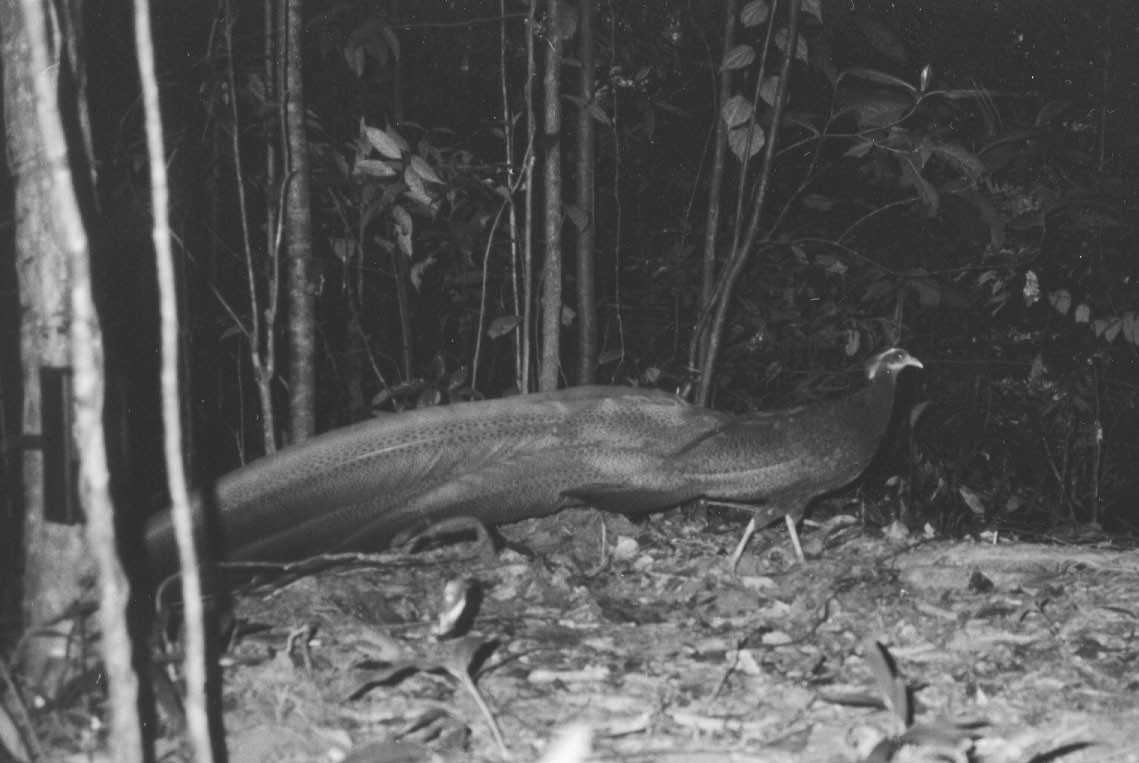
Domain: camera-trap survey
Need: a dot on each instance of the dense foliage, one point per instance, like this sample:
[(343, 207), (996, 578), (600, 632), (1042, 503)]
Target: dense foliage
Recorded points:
[(960, 180)]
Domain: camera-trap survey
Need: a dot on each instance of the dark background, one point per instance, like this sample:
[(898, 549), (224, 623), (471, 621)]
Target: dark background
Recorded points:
[(1015, 286)]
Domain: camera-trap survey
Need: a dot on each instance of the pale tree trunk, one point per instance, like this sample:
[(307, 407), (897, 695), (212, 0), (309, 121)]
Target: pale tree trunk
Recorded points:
[(298, 236), (57, 566), (60, 327), (586, 297), (195, 671), (552, 181)]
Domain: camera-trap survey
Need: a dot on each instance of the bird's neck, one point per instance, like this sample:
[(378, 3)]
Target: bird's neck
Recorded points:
[(873, 407)]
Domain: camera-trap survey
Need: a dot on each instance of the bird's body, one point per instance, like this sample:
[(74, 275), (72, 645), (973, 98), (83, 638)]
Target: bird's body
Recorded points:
[(500, 461), (616, 448)]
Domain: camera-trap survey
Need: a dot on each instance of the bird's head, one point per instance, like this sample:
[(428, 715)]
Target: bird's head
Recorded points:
[(890, 363)]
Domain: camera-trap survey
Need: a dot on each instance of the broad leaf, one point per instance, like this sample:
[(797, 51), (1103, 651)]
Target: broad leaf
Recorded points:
[(964, 160), (800, 44), (423, 169), (384, 142), (768, 90), (738, 142), (737, 57), (1061, 301), (754, 13), (736, 111), (881, 78), (503, 325)]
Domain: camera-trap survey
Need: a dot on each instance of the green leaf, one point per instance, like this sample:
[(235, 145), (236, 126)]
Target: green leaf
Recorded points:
[(832, 264), (598, 114), (392, 40), (577, 216), (754, 13), (388, 143), (912, 177), (881, 110), (1114, 326), (738, 142), (964, 160), (972, 500), (423, 169), (503, 325), (354, 57), (737, 57), (1131, 327), (882, 78), (800, 44), (610, 356), (928, 291), (416, 189), (769, 89), (377, 168), (343, 248), (736, 111)]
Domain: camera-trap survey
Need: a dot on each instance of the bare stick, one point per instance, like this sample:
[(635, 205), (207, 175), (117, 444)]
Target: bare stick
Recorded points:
[(195, 666)]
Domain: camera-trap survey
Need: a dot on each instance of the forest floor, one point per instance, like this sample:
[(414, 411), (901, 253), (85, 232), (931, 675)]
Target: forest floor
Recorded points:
[(1005, 651)]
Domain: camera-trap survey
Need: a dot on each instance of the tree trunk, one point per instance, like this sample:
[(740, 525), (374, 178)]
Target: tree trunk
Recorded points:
[(527, 259), (552, 179), (261, 341), (586, 296), (298, 222), (715, 187), (56, 559), (60, 328), (742, 249)]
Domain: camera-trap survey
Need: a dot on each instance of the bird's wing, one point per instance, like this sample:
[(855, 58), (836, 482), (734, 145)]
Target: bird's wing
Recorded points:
[(623, 498)]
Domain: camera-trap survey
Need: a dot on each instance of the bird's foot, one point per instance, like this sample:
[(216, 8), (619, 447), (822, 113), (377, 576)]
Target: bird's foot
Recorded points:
[(750, 530)]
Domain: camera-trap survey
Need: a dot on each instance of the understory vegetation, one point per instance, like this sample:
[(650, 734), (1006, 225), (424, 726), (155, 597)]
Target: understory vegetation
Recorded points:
[(958, 180)]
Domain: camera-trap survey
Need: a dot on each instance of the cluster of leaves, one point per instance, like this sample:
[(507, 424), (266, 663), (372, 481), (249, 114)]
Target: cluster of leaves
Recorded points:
[(416, 217), (981, 227), (963, 222)]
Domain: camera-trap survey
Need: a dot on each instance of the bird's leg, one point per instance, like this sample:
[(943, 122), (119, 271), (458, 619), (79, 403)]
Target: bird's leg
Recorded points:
[(794, 537), (739, 552), (753, 526)]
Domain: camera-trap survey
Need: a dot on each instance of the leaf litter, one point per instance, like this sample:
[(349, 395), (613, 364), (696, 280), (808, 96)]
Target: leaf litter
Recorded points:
[(609, 640)]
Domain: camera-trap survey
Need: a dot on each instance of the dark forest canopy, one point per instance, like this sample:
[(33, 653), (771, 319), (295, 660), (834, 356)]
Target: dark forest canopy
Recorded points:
[(957, 177)]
